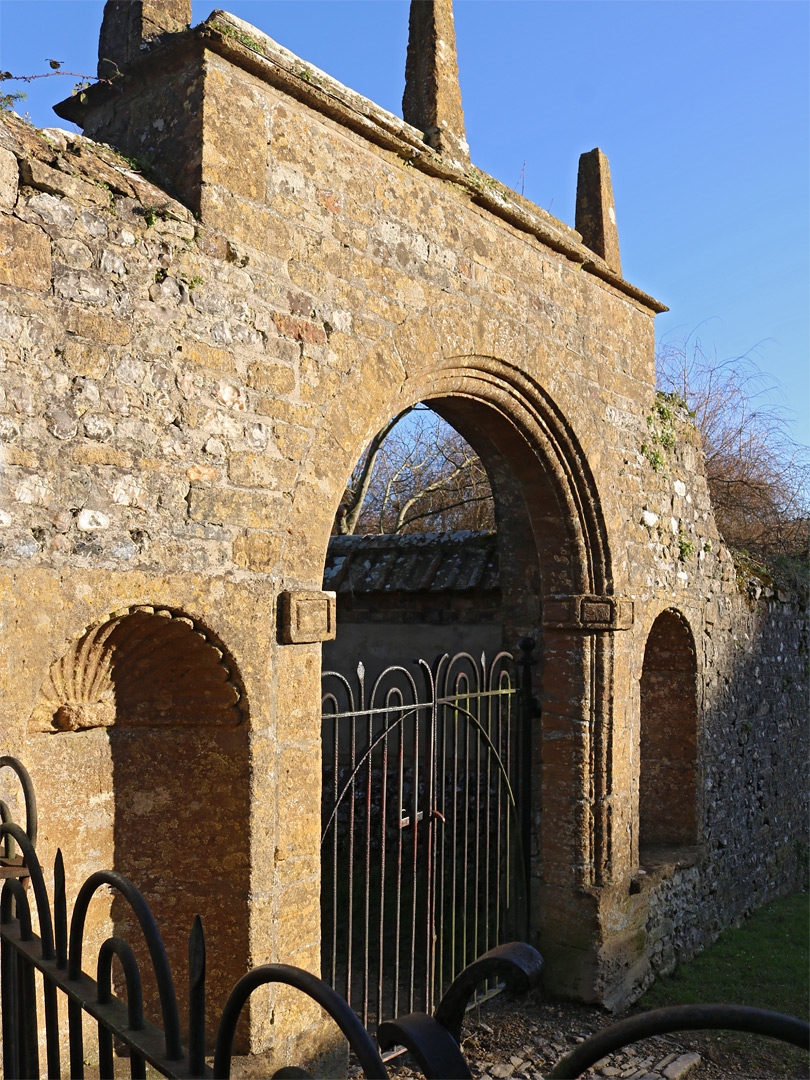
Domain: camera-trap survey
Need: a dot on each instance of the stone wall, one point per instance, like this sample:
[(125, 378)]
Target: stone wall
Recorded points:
[(753, 771), (187, 386), (754, 760), (751, 629)]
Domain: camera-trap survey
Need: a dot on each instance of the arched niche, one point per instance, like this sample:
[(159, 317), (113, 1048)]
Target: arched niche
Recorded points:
[(667, 804), (151, 667), (143, 723)]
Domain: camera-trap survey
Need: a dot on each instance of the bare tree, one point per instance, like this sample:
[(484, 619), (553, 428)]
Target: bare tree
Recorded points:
[(419, 475), (416, 475), (758, 476)]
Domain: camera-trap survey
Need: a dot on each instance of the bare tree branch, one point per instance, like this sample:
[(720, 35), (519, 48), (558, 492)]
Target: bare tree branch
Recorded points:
[(422, 463), (758, 476), (351, 506), (441, 484), (445, 509)]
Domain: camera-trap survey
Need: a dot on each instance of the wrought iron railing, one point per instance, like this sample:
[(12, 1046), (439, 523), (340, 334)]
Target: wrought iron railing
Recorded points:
[(673, 1018), (58, 954)]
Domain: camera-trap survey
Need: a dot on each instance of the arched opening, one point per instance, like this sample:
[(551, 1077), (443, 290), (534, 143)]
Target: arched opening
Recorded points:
[(426, 793), (414, 555), (143, 722), (536, 548), (667, 800), (553, 542)]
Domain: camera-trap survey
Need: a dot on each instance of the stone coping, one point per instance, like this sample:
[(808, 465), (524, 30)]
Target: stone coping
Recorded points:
[(254, 51)]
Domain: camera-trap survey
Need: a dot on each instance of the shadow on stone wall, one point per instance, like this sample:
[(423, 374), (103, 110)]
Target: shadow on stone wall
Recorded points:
[(164, 696)]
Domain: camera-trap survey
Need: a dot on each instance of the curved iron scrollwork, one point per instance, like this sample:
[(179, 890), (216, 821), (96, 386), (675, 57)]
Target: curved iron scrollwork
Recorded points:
[(173, 1048), (359, 1039), (59, 959), (30, 801), (426, 808), (57, 955), (434, 1041), (681, 1018), (516, 964)]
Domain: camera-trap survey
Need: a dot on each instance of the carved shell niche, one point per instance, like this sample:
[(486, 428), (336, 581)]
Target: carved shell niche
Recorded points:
[(147, 666)]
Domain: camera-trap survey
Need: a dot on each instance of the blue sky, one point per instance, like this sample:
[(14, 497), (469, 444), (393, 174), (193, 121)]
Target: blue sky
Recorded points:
[(702, 107)]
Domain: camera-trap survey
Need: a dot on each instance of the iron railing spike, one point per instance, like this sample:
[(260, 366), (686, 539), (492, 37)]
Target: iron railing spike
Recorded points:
[(196, 998), (60, 910)]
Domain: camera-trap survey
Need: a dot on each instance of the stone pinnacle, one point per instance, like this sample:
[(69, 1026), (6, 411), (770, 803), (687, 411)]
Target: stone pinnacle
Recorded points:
[(432, 98)]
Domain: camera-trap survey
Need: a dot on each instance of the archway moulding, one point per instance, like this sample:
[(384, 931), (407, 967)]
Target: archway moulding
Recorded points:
[(507, 409), (516, 395)]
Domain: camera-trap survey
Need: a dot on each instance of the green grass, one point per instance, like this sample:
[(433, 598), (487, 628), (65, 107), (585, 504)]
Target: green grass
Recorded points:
[(764, 962)]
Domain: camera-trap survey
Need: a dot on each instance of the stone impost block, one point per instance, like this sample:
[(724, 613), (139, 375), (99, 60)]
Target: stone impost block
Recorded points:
[(588, 613), (307, 617)]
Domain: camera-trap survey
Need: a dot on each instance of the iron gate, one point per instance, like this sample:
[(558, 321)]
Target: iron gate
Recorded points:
[(425, 825)]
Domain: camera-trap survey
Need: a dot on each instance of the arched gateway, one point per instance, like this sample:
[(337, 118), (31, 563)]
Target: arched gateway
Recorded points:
[(197, 360)]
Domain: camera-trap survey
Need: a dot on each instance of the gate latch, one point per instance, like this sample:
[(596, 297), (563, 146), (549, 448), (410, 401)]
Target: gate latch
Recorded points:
[(405, 819)]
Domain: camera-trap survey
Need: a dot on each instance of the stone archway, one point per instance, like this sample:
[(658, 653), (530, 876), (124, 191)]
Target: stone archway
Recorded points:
[(144, 719), (549, 506)]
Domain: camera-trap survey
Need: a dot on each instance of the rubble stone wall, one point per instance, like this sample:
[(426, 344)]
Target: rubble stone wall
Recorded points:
[(752, 666), (754, 775)]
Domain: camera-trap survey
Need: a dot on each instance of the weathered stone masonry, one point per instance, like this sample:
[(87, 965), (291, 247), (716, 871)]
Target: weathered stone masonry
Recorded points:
[(190, 372)]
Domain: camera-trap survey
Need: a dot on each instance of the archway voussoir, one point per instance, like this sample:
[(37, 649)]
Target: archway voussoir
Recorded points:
[(418, 345), (454, 327)]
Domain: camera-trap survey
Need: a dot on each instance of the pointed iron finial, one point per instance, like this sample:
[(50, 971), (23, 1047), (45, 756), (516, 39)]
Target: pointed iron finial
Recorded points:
[(196, 998), (60, 911), (432, 98), (596, 216)]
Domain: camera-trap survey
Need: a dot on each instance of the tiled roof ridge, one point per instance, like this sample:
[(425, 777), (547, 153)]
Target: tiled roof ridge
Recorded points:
[(378, 540), (412, 562)]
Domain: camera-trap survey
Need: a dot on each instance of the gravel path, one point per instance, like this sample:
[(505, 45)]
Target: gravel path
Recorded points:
[(523, 1037)]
